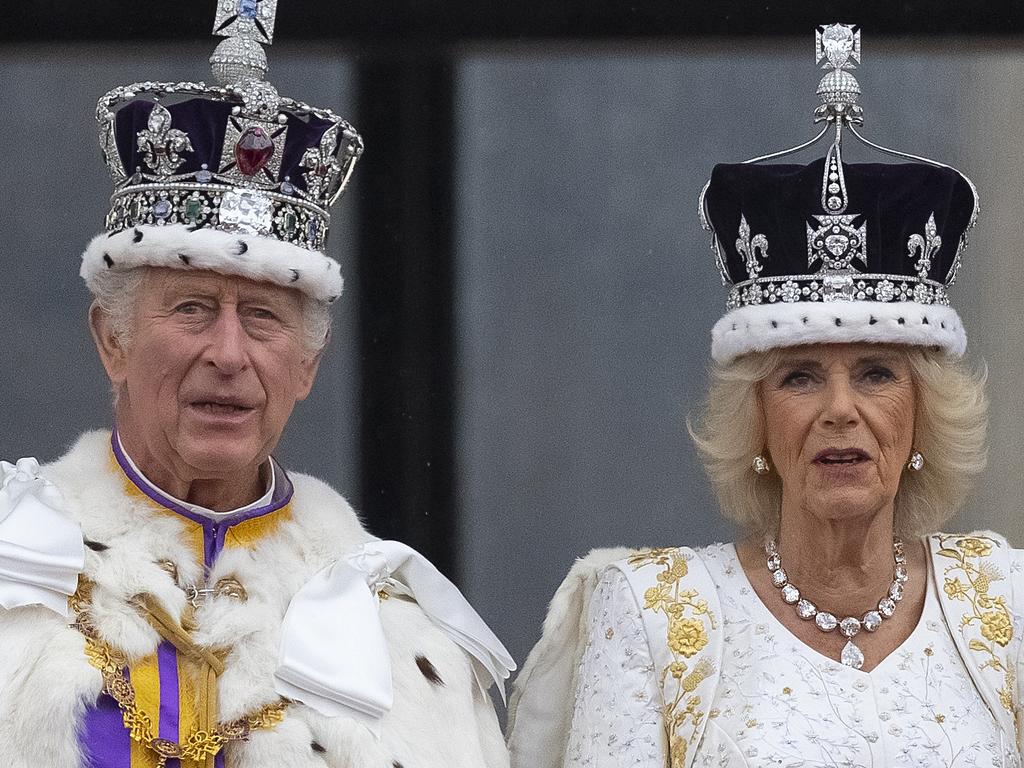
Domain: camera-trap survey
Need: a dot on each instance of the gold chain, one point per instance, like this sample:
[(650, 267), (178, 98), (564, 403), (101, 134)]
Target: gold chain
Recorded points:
[(113, 667)]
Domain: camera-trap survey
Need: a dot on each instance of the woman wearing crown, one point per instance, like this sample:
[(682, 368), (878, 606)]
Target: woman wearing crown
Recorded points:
[(840, 431)]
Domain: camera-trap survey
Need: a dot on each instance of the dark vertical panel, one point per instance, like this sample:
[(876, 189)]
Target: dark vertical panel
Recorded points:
[(405, 252)]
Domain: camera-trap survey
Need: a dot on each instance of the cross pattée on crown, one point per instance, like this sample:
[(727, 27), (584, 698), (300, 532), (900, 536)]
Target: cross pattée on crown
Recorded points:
[(247, 19)]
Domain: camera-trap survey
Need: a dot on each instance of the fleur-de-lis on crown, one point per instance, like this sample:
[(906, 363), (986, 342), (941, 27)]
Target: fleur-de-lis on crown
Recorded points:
[(325, 171), (924, 248), (161, 145), (753, 250)]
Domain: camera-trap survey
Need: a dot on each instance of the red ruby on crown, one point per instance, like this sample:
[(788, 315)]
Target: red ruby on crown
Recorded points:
[(253, 150)]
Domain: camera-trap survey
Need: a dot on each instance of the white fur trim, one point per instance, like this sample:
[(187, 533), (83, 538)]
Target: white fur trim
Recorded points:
[(46, 682), (769, 326), (178, 247)]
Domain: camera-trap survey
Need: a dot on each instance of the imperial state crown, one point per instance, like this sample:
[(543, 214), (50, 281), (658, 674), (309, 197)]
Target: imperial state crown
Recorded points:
[(231, 177)]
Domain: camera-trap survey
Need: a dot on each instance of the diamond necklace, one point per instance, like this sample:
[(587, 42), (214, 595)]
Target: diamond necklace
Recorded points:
[(852, 656)]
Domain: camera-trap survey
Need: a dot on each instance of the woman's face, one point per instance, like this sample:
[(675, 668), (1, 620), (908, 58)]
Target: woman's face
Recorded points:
[(839, 425)]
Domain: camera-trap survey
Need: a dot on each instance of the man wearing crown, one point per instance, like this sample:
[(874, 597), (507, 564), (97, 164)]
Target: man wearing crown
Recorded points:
[(169, 594)]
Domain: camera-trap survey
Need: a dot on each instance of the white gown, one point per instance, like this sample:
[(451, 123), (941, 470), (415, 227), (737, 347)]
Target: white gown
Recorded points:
[(778, 702)]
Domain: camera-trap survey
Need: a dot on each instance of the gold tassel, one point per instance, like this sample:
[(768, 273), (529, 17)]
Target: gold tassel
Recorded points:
[(171, 631), (210, 667)]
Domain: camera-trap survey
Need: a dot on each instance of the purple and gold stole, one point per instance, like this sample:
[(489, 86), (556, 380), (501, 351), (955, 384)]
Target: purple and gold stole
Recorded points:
[(164, 688)]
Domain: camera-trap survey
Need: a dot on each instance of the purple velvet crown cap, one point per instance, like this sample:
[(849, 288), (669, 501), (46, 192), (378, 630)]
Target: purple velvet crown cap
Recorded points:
[(232, 178), (205, 122)]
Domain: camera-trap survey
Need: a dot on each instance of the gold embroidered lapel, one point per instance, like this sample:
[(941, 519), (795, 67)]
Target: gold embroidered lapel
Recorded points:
[(679, 604), (972, 574)]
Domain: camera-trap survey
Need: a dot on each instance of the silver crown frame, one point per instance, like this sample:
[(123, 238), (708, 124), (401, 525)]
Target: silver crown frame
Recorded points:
[(226, 197), (838, 49)]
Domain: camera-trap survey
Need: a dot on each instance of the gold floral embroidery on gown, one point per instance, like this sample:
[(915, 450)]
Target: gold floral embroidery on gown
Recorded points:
[(689, 621), (969, 579)]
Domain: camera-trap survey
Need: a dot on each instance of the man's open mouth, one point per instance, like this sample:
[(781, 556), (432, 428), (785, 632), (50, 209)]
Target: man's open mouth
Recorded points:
[(220, 408)]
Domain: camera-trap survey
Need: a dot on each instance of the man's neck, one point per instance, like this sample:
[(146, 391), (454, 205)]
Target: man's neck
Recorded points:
[(182, 483)]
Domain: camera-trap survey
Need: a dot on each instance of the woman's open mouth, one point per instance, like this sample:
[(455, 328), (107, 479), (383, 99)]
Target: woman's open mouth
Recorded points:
[(835, 457)]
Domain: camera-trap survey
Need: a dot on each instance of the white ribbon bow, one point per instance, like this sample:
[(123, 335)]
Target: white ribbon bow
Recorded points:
[(334, 656), (41, 549)]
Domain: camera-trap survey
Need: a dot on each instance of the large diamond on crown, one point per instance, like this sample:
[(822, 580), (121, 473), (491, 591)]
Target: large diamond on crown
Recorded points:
[(838, 45), (837, 243), (837, 42), (246, 211)]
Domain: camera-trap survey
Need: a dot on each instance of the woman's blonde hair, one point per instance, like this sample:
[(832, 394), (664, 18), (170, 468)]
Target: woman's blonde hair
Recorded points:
[(949, 430)]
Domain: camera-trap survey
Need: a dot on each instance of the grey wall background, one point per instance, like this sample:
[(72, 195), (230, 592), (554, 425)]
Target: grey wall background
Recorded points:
[(586, 290)]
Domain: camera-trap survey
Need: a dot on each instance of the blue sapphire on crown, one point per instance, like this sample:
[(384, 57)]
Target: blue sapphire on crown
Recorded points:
[(247, 9)]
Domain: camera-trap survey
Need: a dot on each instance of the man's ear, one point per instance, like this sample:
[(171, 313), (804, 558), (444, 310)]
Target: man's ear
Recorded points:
[(110, 347), (310, 367), (307, 374)]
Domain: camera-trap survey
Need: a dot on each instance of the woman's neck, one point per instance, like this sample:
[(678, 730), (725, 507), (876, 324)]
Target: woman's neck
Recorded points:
[(840, 565)]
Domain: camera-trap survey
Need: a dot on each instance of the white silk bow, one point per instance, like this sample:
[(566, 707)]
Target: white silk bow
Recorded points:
[(41, 549), (334, 656)]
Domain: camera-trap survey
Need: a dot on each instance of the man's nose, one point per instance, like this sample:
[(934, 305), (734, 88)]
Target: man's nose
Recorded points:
[(226, 349)]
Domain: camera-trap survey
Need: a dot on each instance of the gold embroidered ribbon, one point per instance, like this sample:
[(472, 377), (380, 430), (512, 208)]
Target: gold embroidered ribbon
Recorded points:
[(203, 744)]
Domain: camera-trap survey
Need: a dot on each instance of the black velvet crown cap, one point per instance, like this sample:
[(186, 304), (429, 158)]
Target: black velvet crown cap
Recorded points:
[(836, 253), (899, 238)]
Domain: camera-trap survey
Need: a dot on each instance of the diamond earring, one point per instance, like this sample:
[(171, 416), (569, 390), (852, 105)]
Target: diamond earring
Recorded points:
[(916, 463), (760, 465)]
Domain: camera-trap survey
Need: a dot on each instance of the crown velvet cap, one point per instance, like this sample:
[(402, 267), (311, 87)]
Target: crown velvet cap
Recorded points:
[(205, 122), (878, 271)]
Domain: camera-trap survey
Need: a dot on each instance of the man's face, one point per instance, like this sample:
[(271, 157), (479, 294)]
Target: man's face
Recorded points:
[(210, 375)]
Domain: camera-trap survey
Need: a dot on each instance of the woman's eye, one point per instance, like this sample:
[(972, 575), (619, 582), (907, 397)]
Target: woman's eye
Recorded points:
[(188, 308), (796, 378), (879, 374)]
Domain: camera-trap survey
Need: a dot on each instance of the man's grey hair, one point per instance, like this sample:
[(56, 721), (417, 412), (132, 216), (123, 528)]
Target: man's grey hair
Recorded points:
[(115, 292)]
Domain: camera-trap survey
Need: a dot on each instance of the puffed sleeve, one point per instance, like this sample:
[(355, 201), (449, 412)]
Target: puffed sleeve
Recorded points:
[(616, 717)]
